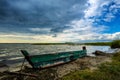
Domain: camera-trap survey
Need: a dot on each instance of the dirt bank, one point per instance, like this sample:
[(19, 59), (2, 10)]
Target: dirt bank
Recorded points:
[(83, 63)]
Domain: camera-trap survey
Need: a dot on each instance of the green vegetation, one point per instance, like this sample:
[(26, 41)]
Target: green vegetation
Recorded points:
[(106, 71), (115, 44), (48, 43), (99, 43), (66, 43)]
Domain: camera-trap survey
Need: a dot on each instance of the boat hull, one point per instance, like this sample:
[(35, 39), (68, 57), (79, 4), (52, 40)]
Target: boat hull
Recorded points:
[(48, 60)]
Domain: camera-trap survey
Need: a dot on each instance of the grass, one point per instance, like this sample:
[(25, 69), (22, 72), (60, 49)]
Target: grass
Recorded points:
[(115, 44), (106, 71)]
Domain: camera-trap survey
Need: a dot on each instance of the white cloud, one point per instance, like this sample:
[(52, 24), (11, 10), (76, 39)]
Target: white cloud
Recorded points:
[(92, 10), (28, 38), (116, 35), (79, 25), (72, 37), (113, 9), (109, 17), (95, 7), (82, 29), (117, 1), (40, 29)]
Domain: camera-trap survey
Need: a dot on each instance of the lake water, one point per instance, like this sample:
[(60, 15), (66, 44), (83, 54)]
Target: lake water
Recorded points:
[(10, 53)]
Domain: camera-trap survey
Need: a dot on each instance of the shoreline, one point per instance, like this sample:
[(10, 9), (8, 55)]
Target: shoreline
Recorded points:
[(57, 72)]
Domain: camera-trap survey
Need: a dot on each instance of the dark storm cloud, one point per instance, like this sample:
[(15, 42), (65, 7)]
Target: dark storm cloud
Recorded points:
[(19, 15), (59, 29)]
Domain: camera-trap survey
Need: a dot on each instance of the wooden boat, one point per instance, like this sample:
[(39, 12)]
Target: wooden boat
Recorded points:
[(48, 60)]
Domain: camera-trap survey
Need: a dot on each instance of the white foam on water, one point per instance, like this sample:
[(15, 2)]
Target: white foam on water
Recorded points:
[(16, 58), (3, 55)]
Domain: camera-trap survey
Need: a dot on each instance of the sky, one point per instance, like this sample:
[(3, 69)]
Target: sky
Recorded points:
[(53, 21)]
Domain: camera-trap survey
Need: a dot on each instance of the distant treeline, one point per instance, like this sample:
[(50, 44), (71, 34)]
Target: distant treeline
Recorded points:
[(66, 43), (47, 43), (113, 44), (99, 43)]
